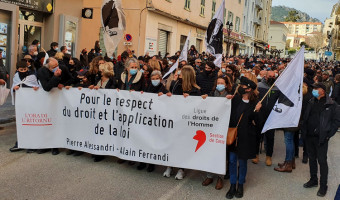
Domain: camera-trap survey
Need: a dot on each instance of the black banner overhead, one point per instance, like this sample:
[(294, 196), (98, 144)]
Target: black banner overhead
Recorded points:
[(38, 5)]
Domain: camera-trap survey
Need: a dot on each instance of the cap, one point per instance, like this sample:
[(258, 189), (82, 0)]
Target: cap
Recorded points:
[(325, 73), (250, 84), (319, 85)]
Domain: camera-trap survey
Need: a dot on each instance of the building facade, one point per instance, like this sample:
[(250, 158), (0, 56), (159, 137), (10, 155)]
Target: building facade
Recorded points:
[(303, 28), (47, 21), (278, 36)]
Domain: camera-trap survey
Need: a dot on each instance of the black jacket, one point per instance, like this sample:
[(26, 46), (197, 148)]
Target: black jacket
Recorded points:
[(336, 93), (138, 83), (47, 79), (157, 89), (246, 131), (206, 81), (111, 83), (119, 69), (51, 52), (176, 89), (329, 119)]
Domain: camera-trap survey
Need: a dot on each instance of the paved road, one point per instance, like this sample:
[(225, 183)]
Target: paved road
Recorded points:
[(35, 177)]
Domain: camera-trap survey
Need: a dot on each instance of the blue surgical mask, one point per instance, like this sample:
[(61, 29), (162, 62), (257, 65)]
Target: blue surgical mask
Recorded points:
[(316, 93), (220, 87), (55, 69), (242, 74), (223, 70), (155, 82), (141, 70), (56, 49), (179, 72), (133, 71)]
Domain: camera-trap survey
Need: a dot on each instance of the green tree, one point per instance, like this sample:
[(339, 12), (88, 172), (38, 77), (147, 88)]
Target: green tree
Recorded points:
[(292, 16), (304, 44)]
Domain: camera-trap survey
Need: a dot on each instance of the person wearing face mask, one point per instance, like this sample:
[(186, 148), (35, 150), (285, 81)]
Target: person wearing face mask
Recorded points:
[(132, 78), (37, 44), (54, 49), (321, 121), (50, 76), (30, 63), (221, 88), (246, 120), (157, 87), (33, 52), (26, 79), (198, 66), (268, 104), (207, 78)]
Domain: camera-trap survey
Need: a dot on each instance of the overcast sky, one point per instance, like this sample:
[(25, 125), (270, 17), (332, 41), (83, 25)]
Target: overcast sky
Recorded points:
[(320, 9)]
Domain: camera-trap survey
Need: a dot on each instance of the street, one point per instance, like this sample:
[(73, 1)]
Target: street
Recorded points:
[(33, 176)]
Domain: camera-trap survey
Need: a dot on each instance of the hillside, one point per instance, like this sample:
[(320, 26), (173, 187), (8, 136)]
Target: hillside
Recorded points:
[(279, 14)]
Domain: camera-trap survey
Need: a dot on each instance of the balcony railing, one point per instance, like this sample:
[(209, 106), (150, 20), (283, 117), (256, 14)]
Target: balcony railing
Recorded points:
[(259, 4), (257, 21)]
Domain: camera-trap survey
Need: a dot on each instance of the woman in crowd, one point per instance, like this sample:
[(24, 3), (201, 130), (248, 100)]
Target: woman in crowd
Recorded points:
[(154, 64), (245, 119), (132, 78), (184, 84), (157, 87), (221, 88), (146, 70), (107, 80), (93, 74)]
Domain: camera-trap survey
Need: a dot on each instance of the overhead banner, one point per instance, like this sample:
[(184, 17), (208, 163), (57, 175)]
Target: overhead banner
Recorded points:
[(171, 131)]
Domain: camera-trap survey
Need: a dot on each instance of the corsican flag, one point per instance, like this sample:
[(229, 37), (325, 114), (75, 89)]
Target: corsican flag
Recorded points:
[(113, 22), (183, 56), (287, 110), (214, 36)]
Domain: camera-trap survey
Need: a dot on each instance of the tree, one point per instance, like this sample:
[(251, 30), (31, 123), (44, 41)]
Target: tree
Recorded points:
[(316, 41), (291, 51), (292, 16), (304, 44)]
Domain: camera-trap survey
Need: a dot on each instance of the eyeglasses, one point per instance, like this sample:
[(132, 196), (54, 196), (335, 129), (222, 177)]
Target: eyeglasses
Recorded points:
[(198, 62)]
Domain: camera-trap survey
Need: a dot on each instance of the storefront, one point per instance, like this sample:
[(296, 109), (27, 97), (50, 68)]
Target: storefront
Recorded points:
[(22, 22)]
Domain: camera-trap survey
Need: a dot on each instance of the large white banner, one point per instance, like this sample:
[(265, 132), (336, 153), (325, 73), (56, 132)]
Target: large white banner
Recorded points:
[(171, 131)]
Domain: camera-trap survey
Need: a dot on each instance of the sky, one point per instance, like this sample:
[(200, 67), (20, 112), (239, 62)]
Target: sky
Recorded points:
[(320, 9)]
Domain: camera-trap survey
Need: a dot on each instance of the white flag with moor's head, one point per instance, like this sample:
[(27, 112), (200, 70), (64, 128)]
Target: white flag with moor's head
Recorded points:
[(214, 35), (113, 22), (287, 109)]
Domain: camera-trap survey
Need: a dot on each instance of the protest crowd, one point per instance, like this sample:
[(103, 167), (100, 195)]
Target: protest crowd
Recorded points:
[(244, 79)]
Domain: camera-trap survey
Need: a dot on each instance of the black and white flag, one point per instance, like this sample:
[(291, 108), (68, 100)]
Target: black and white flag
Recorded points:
[(214, 35), (113, 22), (287, 109)]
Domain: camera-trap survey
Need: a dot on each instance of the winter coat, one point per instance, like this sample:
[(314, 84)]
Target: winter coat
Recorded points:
[(159, 88), (137, 82), (111, 83), (47, 79), (206, 81), (329, 119), (176, 89), (245, 144), (336, 93), (119, 69)]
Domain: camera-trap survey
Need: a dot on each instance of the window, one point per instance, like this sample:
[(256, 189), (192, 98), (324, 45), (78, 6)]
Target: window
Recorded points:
[(239, 1), (213, 10), (198, 45), (230, 17), (182, 41), (202, 7), (237, 24), (187, 5)]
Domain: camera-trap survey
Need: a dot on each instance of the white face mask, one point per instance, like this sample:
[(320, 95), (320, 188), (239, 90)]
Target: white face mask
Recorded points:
[(35, 53)]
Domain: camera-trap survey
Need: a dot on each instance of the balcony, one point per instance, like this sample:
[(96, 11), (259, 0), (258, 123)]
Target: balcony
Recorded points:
[(257, 21), (259, 4)]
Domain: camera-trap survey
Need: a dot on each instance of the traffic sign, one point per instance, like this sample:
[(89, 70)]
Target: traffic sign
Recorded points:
[(128, 37), (328, 53)]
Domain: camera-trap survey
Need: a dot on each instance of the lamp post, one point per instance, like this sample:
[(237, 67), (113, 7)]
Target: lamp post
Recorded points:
[(229, 29)]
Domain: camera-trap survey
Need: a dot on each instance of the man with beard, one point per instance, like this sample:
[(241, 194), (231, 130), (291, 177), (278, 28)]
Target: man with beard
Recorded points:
[(267, 106), (206, 79)]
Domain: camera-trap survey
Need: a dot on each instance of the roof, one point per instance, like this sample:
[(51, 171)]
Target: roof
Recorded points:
[(313, 23), (275, 22)]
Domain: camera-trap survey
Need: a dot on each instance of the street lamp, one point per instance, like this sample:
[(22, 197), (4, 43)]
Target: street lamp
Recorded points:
[(229, 29)]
